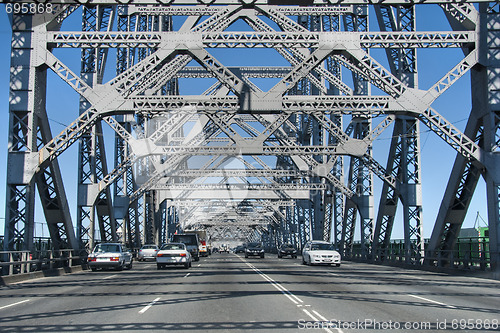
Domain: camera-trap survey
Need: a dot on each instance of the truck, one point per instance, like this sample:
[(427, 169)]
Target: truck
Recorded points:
[(191, 241), (203, 243)]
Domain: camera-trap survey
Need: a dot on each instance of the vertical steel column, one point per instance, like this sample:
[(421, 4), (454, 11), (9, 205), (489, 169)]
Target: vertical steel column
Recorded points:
[(404, 154), (92, 163), (483, 127), (20, 196), (334, 213), (360, 177)]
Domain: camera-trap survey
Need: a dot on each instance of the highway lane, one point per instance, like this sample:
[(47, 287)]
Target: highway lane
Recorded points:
[(229, 293)]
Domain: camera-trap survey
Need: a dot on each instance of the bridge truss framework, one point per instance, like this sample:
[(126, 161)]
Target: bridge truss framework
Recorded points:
[(291, 163)]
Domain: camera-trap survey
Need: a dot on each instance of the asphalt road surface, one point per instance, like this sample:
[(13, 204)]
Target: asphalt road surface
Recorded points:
[(228, 293)]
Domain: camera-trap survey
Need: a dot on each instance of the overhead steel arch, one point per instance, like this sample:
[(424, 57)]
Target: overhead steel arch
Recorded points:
[(290, 161)]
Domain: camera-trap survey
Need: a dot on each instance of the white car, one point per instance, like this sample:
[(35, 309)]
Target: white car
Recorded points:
[(173, 254), (110, 255), (147, 251), (320, 252)]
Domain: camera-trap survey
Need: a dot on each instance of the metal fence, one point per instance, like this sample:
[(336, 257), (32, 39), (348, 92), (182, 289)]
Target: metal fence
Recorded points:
[(19, 262), (468, 253)]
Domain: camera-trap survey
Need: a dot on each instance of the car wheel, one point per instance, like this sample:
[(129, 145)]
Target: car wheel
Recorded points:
[(246, 256), (262, 256), (294, 257), (93, 269), (158, 266), (129, 266), (280, 256), (186, 265), (304, 261), (337, 265)]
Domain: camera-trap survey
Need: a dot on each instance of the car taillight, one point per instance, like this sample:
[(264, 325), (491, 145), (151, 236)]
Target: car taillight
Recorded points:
[(115, 258), (160, 255), (203, 243), (182, 254), (91, 259)]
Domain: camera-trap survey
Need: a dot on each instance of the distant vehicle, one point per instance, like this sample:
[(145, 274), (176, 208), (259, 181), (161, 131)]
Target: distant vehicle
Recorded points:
[(239, 249), (110, 255), (173, 254), (203, 243), (287, 250), (254, 249), (320, 252), (147, 252), (191, 242), (224, 248)]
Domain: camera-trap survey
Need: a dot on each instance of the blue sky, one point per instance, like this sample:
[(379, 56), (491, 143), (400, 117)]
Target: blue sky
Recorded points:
[(437, 156)]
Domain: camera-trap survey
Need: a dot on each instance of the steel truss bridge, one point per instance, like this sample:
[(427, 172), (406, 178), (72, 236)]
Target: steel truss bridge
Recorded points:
[(289, 163)]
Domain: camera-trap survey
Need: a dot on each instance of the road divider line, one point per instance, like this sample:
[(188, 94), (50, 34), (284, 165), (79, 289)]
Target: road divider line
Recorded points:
[(146, 308), (276, 285), (321, 318), (14, 304), (431, 301), (187, 275), (109, 277)]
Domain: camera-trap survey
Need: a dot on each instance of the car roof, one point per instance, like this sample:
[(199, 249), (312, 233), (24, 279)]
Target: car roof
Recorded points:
[(319, 242)]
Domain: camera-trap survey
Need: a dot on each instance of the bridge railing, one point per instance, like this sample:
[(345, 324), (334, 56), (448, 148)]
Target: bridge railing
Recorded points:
[(19, 262), (468, 253)]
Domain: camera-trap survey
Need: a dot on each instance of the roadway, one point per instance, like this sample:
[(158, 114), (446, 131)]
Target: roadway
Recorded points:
[(229, 293)]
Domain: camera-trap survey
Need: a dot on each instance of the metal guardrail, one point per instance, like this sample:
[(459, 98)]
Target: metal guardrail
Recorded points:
[(19, 262), (443, 259)]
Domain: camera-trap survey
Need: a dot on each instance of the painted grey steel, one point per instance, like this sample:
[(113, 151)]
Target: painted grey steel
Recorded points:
[(311, 120)]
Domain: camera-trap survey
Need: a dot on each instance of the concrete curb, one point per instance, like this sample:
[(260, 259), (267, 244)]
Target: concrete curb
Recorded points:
[(9, 279)]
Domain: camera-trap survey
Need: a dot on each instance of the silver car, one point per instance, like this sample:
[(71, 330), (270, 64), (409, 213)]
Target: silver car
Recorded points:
[(110, 255), (173, 254), (147, 252), (320, 252)]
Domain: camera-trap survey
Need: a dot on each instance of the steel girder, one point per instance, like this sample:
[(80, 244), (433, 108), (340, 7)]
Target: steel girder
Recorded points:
[(129, 91), (483, 127), (404, 155), (92, 166), (28, 131)]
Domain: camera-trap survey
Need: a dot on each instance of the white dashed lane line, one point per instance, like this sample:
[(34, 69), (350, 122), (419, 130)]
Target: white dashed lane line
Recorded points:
[(431, 301), (146, 308), (13, 304)]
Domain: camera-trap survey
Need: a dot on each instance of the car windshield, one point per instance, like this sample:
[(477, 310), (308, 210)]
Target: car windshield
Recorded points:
[(287, 246), (146, 247), (172, 247), (254, 245), (330, 247), (107, 248)]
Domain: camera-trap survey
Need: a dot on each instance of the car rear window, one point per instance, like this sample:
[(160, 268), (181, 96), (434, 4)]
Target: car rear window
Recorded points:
[(173, 247), (107, 248)]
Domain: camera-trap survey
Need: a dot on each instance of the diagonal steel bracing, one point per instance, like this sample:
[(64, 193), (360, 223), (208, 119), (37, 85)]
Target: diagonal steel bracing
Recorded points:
[(296, 126)]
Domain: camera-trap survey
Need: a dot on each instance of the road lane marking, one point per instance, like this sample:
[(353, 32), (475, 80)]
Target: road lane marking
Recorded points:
[(109, 277), (276, 285), (291, 296), (435, 302), (187, 275), (146, 308), (321, 318), (13, 304)]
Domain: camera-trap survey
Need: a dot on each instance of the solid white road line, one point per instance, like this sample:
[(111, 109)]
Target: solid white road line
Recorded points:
[(146, 308), (13, 304), (431, 301), (187, 275), (109, 277)]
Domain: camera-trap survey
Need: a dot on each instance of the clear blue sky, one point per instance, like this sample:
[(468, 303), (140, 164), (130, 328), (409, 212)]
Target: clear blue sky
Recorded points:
[(437, 156)]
